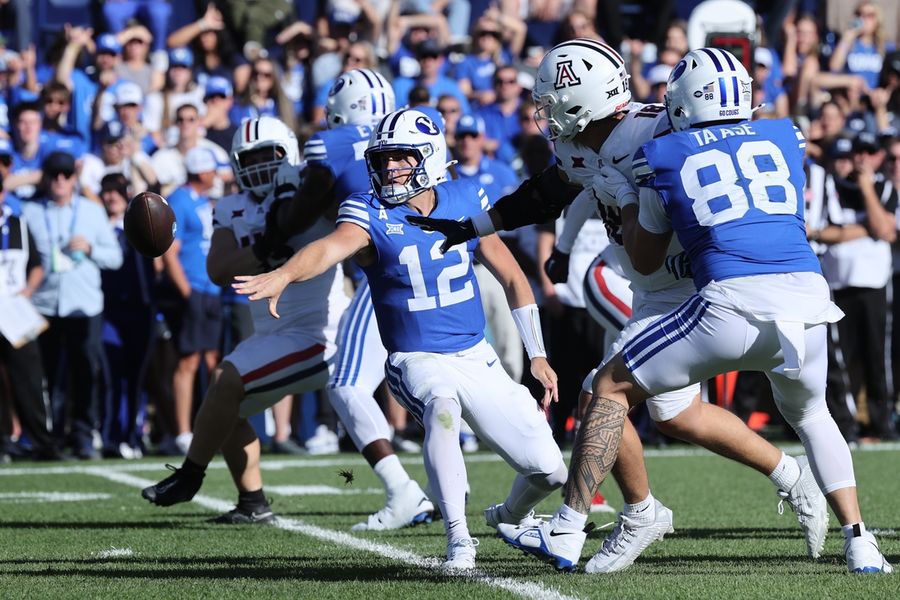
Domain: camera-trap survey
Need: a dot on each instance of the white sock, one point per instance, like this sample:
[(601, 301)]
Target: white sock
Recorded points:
[(569, 518), (391, 473), (786, 473), (853, 530), (643, 511), (444, 464)]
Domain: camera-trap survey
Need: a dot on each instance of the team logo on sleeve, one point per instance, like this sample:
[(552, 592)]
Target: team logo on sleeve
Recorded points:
[(565, 75), (426, 125)]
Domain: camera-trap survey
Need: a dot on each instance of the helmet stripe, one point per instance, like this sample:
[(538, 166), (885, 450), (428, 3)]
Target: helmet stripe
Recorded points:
[(596, 48), (366, 76), (734, 86), (390, 131), (715, 60), (723, 98), (256, 130), (383, 104), (728, 59), (247, 132), (381, 79), (374, 102)]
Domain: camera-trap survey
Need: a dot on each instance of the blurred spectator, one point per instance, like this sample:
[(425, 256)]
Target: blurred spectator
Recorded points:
[(168, 163), (213, 48), (119, 153), (197, 325), (18, 78), (56, 104), (657, 79), (577, 24), (154, 13), (10, 200), (501, 119), (129, 102), (825, 130), (180, 88), (456, 11), (135, 42), (407, 32), (892, 161), (128, 317), (251, 22), (431, 60), (359, 55), (20, 274), (30, 152), (264, 96), (85, 88), (863, 46), (768, 92), (298, 43), (495, 176), (497, 39), (75, 241), (218, 98), (15, 16), (451, 111), (357, 19), (857, 265)]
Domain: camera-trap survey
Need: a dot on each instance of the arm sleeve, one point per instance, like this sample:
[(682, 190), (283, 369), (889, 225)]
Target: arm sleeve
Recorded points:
[(539, 199), (652, 216), (580, 211)]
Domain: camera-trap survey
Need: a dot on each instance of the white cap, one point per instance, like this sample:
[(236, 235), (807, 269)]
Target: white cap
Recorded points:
[(129, 92), (763, 56), (659, 74), (200, 160)]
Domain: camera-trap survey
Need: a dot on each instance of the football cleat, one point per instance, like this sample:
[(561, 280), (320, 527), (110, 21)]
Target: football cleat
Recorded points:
[(810, 506), (546, 541), (407, 508), (246, 516), (460, 556), (493, 516), (863, 555), (628, 539), (180, 486)]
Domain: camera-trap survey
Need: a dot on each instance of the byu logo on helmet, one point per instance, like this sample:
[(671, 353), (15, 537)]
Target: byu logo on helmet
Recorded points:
[(336, 87), (565, 75), (426, 125)]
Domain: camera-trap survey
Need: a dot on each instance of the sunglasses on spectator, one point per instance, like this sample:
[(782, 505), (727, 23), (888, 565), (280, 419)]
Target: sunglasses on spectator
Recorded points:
[(355, 58), (448, 110), (185, 119), (56, 101), (495, 34), (55, 174), (505, 81)]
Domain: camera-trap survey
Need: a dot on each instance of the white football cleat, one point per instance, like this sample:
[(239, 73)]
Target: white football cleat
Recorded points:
[(810, 506), (460, 556), (547, 541), (493, 516), (863, 555), (628, 540), (408, 508)]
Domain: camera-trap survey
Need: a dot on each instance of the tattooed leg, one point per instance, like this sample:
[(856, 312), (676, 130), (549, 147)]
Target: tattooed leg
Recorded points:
[(596, 448)]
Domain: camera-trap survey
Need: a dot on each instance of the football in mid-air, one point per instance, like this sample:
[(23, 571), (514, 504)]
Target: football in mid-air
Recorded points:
[(150, 224)]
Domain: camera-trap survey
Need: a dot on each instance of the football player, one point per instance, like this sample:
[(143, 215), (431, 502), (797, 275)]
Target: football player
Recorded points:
[(289, 357), (335, 169), (583, 104), (432, 322), (732, 193)]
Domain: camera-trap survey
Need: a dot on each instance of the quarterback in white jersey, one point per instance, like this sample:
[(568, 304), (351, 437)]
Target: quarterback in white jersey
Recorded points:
[(583, 99), (290, 358)]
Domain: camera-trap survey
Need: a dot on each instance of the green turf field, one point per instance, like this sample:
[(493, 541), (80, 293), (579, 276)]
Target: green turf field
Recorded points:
[(79, 530)]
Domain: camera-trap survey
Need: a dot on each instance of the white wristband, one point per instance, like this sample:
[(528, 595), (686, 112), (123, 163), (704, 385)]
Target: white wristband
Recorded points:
[(483, 224), (587, 386), (528, 322)]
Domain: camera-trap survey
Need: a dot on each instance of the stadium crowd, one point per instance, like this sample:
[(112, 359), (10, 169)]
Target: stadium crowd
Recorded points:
[(142, 95)]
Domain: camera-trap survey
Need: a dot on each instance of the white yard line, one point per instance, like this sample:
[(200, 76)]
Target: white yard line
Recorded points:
[(525, 589)]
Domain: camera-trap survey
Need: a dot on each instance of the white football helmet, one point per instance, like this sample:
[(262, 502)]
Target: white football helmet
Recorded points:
[(260, 145), (407, 130), (358, 97), (708, 85), (579, 81)]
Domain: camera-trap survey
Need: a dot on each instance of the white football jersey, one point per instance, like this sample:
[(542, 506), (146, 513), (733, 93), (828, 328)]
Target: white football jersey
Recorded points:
[(582, 165), (314, 304)]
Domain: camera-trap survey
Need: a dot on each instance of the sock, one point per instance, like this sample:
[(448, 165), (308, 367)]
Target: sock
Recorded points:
[(457, 529), (192, 468), (853, 530), (643, 511), (252, 499), (444, 464), (786, 473), (391, 473), (569, 518), (523, 497)]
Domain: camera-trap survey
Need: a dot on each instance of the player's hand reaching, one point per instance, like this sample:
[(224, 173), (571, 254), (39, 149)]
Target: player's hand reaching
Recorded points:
[(543, 372), (266, 285), (456, 232), (557, 267)]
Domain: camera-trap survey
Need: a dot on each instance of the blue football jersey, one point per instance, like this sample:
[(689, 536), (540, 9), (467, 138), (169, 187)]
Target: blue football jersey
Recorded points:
[(342, 151), (424, 301), (734, 196)]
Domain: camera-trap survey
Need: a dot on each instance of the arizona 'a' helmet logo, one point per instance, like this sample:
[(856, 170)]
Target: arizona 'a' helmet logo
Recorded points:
[(565, 76)]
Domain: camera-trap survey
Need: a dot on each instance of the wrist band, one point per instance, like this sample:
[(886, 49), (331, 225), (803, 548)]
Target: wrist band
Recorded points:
[(483, 224), (528, 322)]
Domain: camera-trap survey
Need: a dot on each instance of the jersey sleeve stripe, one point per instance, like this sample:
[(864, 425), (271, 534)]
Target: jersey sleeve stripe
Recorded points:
[(354, 203), (353, 220), (354, 212)]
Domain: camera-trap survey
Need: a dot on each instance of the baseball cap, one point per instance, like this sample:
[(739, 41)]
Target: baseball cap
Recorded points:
[(842, 147), (200, 160), (659, 74), (108, 43), (429, 47), (128, 92), (58, 162), (469, 125), (111, 132), (218, 86), (763, 56), (181, 57), (866, 142)]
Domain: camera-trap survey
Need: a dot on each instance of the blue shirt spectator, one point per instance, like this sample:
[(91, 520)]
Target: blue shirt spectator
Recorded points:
[(497, 178), (431, 61), (501, 119)]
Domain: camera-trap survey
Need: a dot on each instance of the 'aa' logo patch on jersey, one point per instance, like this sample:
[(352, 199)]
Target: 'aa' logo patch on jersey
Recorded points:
[(565, 75)]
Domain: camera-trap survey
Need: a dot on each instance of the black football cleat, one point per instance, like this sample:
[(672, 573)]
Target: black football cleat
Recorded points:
[(246, 516), (180, 486)]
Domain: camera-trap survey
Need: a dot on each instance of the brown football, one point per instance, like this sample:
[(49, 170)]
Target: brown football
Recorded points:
[(150, 224)]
